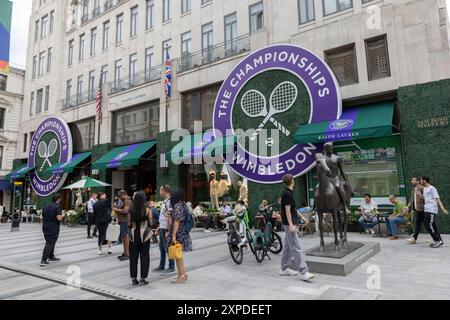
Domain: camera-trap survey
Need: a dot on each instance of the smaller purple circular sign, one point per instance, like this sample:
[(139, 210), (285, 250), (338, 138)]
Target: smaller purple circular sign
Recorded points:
[(325, 99), (51, 144)]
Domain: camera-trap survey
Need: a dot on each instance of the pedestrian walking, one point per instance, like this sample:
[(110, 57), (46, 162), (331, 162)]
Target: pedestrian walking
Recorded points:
[(91, 216), (164, 224), (123, 216), (102, 212), (140, 234), (431, 206), (51, 218), (416, 203), (292, 258)]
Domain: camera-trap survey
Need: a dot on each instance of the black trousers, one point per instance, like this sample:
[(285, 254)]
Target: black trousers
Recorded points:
[(49, 248), (102, 227), (430, 224), (139, 250), (206, 220), (91, 222), (420, 216)]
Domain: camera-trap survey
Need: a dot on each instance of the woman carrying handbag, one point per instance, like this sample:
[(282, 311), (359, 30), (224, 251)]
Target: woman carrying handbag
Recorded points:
[(139, 234), (179, 232)]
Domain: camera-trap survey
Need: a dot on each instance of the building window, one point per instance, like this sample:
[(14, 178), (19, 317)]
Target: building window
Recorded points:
[(133, 68), (306, 11), (93, 41), (185, 6), (31, 103), (343, 63), (44, 23), (377, 56), (141, 128), (83, 135), (333, 6), (103, 75), (205, 2), (79, 88), (39, 96), (256, 17), (230, 32), (148, 63), (85, 16), (149, 15), (47, 97), (34, 67), (105, 35), (1, 161), (3, 81), (68, 89), (186, 43), (49, 59), (199, 106), (96, 10), (70, 58), (166, 49), (2, 118), (81, 51), (119, 27), (207, 41), (117, 70), (41, 63), (91, 85), (25, 140), (52, 21), (36, 31), (167, 12), (133, 21)]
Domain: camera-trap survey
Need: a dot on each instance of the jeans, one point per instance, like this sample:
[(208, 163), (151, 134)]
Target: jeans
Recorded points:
[(391, 224), (430, 224), (163, 251), (102, 228), (49, 248), (420, 216), (368, 224), (292, 255), (139, 251)]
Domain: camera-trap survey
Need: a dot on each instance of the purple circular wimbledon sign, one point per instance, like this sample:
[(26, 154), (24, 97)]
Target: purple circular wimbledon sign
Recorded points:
[(51, 144), (325, 104)]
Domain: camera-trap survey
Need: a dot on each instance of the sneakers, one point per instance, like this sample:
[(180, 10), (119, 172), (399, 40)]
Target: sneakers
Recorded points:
[(393, 238), (437, 244), (288, 272), (158, 269), (411, 241), (99, 252), (54, 259), (367, 231), (168, 271), (372, 232), (307, 276), (43, 263), (109, 251), (206, 230), (123, 257)]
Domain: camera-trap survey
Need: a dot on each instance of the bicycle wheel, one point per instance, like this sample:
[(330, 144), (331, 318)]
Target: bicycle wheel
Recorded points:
[(276, 246), (248, 233), (259, 253), (236, 253)]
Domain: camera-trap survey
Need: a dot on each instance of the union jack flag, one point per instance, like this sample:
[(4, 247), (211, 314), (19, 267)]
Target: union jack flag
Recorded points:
[(168, 77)]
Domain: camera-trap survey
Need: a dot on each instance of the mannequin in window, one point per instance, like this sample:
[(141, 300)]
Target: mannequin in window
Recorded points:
[(213, 190)]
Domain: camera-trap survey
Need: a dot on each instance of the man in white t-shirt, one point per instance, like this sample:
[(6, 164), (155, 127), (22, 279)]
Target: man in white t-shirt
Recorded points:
[(431, 206), (368, 219)]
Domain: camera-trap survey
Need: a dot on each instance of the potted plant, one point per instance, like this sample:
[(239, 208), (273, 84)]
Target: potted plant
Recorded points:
[(72, 218), (353, 224)]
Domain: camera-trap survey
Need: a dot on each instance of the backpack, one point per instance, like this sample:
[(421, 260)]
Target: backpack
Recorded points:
[(189, 222)]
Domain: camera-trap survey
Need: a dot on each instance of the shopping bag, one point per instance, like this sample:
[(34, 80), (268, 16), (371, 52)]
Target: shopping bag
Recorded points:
[(176, 251), (113, 232)]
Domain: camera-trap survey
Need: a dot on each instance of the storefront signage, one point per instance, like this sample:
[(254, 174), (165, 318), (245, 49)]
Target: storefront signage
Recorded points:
[(270, 87), (51, 144), (131, 98), (432, 122)]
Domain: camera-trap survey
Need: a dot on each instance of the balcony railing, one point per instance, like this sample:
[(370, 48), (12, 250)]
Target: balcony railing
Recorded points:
[(136, 79), (218, 52), (78, 99)]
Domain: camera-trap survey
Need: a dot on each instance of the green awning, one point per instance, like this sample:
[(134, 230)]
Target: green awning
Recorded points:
[(69, 166), (18, 173), (125, 156), (370, 121), (201, 145)]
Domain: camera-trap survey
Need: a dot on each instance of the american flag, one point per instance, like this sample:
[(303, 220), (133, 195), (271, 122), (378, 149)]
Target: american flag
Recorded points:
[(168, 77), (98, 102)]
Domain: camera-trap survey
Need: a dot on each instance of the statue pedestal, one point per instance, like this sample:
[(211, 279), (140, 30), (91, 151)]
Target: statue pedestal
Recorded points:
[(342, 262)]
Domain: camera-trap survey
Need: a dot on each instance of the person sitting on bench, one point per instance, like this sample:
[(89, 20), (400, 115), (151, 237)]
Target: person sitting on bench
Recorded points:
[(203, 217)]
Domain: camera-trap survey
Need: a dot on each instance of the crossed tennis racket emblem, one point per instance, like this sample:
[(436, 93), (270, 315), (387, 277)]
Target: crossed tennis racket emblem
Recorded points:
[(282, 98), (47, 152)]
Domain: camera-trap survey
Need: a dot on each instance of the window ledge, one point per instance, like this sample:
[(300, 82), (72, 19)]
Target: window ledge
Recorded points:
[(337, 14), (134, 37), (206, 4), (370, 3), (307, 24), (167, 22), (150, 29), (185, 13)]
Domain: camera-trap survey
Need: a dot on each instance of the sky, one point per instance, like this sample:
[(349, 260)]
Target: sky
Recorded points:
[(19, 31)]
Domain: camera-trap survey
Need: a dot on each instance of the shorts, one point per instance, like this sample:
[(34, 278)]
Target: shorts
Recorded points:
[(123, 229)]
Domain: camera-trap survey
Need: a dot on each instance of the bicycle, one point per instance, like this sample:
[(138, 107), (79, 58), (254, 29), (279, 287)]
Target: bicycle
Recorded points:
[(235, 245), (266, 239)]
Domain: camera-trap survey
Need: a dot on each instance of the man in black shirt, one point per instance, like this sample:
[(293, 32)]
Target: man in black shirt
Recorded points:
[(292, 258), (51, 219)]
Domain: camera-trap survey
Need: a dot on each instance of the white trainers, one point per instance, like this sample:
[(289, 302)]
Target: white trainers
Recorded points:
[(307, 276), (99, 252), (411, 241), (109, 250), (372, 232), (206, 230), (288, 272)]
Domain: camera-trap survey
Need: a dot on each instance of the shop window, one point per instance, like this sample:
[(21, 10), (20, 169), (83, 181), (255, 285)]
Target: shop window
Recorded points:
[(83, 133), (377, 58), (199, 106), (343, 63), (134, 125)]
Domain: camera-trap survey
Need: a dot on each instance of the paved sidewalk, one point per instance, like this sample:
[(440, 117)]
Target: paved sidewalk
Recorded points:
[(406, 271)]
